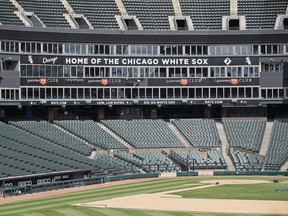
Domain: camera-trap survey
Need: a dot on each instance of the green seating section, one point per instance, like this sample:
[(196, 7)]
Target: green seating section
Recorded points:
[(277, 153), (149, 161), (92, 132), (25, 144), (101, 13), (245, 161), (261, 14), (199, 132), (246, 134), (145, 133), (38, 155), (53, 134), (7, 15), (115, 166), (206, 14), (152, 14), (50, 12), (214, 159)]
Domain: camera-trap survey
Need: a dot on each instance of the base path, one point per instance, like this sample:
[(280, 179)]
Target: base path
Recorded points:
[(165, 201)]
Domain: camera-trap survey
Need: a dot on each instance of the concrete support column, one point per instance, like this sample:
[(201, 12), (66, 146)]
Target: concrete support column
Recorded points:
[(101, 113)]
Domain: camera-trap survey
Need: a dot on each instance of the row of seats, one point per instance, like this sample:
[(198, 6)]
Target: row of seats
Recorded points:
[(91, 132), (277, 153), (153, 14), (7, 15), (246, 134), (115, 166), (145, 133), (199, 132), (23, 153), (149, 161), (245, 161), (261, 13), (50, 12), (101, 14), (53, 134), (206, 14), (213, 160)]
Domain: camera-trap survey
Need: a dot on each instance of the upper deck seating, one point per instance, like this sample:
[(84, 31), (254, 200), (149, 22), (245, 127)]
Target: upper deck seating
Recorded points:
[(206, 14), (261, 14), (152, 14), (100, 13), (7, 15), (50, 12)]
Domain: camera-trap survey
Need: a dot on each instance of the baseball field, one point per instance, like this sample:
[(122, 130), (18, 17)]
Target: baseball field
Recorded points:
[(187, 196)]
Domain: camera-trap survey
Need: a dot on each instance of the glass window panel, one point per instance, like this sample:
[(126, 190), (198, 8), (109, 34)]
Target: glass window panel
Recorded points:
[(219, 92)]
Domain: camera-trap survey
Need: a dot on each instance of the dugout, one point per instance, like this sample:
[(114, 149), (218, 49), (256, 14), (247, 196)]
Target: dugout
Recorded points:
[(13, 186)]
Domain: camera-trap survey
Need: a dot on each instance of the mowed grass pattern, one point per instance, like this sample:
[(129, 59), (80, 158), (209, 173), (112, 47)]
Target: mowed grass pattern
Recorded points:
[(60, 205), (244, 192)]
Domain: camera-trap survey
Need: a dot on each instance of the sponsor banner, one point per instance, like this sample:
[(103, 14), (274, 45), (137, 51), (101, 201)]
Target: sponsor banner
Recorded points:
[(139, 61), (108, 82), (151, 102)]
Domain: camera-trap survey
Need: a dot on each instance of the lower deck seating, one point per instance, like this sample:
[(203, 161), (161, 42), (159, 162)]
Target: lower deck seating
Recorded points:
[(196, 160), (245, 161), (115, 166), (150, 161)]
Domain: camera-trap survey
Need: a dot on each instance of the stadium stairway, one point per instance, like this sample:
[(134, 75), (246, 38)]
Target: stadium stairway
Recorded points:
[(180, 136), (225, 146), (284, 167), (266, 138), (177, 7), (115, 136)]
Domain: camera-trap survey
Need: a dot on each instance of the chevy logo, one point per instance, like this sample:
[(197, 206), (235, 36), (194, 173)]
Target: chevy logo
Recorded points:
[(183, 81), (234, 81), (104, 82), (43, 81)]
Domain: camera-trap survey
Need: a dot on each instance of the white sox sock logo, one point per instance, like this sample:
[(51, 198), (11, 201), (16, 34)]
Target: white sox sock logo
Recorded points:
[(248, 60), (30, 59)]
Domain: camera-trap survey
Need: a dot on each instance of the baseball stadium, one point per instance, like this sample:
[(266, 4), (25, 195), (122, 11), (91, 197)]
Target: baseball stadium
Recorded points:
[(143, 107)]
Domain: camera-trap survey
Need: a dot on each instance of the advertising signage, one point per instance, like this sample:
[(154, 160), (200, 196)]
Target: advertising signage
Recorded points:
[(150, 82), (138, 61), (140, 102)]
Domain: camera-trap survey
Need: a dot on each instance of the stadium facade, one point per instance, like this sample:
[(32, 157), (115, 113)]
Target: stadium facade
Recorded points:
[(130, 70), (135, 59)]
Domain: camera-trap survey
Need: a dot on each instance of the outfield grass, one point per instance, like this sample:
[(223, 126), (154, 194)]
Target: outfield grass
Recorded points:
[(60, 205), (245, 192)]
